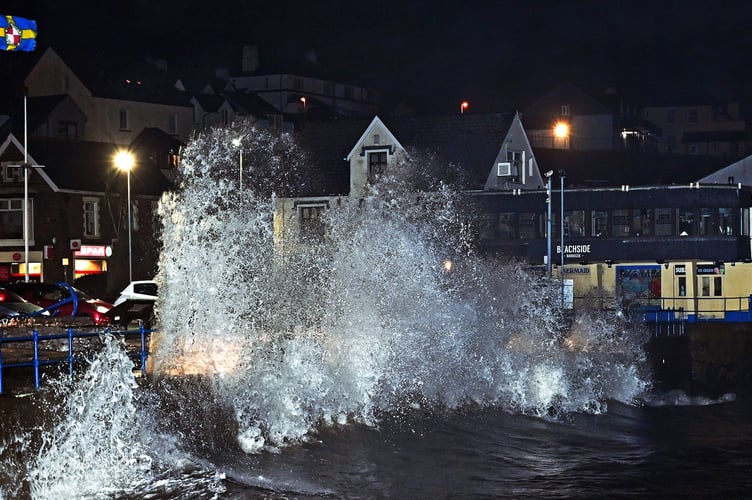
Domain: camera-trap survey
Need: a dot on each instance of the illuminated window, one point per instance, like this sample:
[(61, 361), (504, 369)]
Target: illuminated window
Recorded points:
[(705, 286)]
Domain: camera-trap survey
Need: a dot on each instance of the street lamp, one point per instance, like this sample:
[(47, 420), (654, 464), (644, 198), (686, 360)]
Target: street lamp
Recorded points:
[(548, 230), (561, 177), (561, 135), (237, 142), (124, 160), (464, 106)]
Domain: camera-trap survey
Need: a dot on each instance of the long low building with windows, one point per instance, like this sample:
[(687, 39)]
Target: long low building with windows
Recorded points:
[(684, 248)]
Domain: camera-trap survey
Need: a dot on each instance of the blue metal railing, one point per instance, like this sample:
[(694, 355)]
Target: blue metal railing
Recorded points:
[(55, 308), (36, 361)]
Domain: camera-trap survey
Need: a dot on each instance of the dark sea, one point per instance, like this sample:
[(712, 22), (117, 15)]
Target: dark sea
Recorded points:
[(669, 446)]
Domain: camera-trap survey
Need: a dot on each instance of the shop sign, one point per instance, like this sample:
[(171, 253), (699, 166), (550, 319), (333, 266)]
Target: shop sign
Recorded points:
[(101, 251), (575, 270), (710, 269), (680, 269), (574, 251)]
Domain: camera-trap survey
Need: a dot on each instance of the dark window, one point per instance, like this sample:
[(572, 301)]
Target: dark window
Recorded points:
[(506, 226), (67, 130), (682, 286), (528, 227), (376, 164), (717, 286), (685, 220), (600, 223), (11, 219), (663, 222), (311, 221)]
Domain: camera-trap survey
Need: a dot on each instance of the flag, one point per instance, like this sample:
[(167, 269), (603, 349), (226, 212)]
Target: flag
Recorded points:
[(17, 33)]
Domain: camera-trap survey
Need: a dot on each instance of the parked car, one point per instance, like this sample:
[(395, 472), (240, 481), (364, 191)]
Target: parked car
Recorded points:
[(13, 305), (48, 294), (138, 290), (135, 304)]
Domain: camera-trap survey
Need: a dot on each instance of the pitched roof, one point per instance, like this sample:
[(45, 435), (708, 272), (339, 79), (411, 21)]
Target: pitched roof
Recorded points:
[(469, 140), (128, 80), (250, 104), (617, 168), (327, 143), (82, 166)]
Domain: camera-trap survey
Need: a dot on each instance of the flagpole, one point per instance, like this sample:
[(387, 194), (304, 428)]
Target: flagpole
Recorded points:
[(26, 195)]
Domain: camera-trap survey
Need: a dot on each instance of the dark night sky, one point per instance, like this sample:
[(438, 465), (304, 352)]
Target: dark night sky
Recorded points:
[(496, 54)]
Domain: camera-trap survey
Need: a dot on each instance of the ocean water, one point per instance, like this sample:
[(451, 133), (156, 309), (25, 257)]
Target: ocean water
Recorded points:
[(358, 365)]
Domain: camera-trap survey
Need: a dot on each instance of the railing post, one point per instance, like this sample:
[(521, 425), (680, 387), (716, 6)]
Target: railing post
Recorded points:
[(70, 352), (36, 358), (143, 349), (1, 363)]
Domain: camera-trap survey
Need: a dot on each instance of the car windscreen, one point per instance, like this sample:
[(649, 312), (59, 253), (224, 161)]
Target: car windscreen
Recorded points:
[(145, 288)]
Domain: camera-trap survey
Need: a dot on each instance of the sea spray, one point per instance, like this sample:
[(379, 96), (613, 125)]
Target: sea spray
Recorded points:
[(366, 320), (95, 449)]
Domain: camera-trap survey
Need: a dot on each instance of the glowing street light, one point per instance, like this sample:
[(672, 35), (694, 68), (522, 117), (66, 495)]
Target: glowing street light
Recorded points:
[(303, 100), (561, 134), (464, 106), (124, 160), (237, 142)]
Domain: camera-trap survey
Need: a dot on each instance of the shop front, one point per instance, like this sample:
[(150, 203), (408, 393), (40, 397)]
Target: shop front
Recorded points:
[(91, 259)]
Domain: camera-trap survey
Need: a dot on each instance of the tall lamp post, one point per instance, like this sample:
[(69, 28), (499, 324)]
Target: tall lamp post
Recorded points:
[(548, 219), (124, 161), (561, 178), (237, 142)]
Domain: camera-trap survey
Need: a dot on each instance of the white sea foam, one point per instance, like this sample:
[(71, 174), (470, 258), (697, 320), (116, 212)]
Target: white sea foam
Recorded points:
[(366, 321)]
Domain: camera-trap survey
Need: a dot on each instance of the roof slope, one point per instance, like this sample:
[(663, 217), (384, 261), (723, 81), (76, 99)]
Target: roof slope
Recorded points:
[(88, 166), (616, 168)]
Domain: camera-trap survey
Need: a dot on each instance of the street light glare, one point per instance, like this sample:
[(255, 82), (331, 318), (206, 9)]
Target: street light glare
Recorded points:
[(124, 160), (561, 130)]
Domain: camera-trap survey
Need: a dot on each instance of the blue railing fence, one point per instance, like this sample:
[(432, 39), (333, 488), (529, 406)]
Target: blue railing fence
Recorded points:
[(669, 315), (40, 356)]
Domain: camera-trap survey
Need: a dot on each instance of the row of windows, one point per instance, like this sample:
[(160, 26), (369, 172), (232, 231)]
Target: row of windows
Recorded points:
[(11, 218), (708, 285), (620, 223), (125, 122)]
